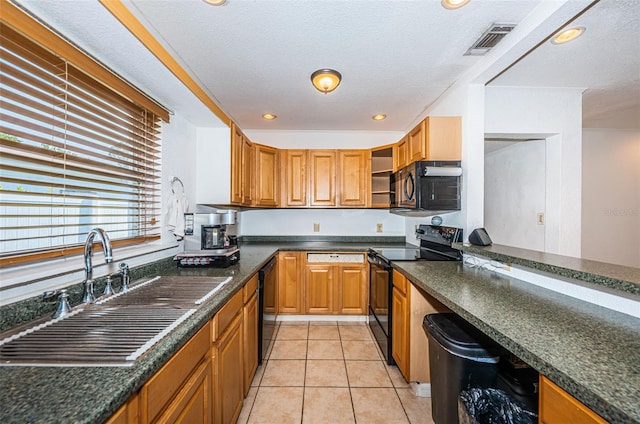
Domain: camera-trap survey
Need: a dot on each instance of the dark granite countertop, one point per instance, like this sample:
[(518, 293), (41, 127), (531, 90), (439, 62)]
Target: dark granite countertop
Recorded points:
[(590, 351), (616, 277)]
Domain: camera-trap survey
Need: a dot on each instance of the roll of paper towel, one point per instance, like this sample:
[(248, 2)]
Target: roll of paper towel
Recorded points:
[(442, 171)]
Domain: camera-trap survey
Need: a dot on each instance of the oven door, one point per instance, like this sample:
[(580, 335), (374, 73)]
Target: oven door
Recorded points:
[(403, 188), (380, 286)]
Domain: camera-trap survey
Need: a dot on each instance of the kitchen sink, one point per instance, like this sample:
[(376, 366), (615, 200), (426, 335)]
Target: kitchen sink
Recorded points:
[(114, 331)]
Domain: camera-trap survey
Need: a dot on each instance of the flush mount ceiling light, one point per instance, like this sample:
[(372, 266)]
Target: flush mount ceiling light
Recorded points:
[(379, 117), (215, 2), (326, 80), (567, 35), (454, 4), (269, 116)]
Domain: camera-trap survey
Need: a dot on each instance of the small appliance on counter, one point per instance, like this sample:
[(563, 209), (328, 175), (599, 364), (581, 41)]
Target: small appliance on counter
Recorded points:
[(207, 240)]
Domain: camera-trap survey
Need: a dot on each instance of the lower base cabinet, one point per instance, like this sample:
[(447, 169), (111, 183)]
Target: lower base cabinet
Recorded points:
[(207, 379), (409, 343), (559, 407)]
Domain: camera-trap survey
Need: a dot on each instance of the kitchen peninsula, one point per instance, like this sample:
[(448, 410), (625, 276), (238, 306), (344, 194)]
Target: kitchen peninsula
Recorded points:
[(590, 351)]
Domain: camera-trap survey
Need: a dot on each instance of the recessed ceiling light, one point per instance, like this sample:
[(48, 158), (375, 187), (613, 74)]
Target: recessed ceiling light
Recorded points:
[(269, 116), (454, 4), (567, 35), (379, 117), (215, 2)]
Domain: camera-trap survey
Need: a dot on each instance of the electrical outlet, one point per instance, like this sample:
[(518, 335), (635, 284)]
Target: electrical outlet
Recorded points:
[(379, 228), (540, 220), (316, 227)]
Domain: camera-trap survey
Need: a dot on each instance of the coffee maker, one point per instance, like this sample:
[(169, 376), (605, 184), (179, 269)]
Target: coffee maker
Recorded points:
[(209, 240)]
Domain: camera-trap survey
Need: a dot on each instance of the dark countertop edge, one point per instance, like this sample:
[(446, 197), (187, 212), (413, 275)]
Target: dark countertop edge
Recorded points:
[(570, 268), (323, 239), (565, 381)]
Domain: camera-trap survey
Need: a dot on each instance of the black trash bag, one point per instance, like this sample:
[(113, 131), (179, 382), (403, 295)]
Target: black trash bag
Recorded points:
[(492, 406)]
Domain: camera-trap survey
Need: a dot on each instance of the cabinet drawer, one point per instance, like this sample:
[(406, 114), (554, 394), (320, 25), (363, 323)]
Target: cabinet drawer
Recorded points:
[(250, 288), (400, 282), (225, 315), (349, 258), (559, 407), (164, 385)]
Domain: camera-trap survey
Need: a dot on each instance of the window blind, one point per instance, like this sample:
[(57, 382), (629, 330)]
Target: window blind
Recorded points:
[(74, 154)]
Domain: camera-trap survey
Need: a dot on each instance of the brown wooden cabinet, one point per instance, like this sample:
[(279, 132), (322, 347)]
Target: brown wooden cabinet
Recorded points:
[(294, 178), (400, 331), (352, 290), (416, 142), (290, 282), (236, 165), (322, 178), (409, 344), (353, 178), (248, 171), (229, 371), (319, 287), (193, 405), (401, 153), (559, 407), (267, 182), (129, 413), (250, 331), (336, 287), (436, 138), (172, 384)]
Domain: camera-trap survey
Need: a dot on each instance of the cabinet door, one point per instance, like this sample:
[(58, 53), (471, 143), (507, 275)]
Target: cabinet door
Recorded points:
[(400, 332), (193, 404), (352, 290), (322, 178), (319, 289), (443, 138), (267, 182), (401, 153), (230, 385), (128, 413), (417, 143), (353, 175), (559, 407), (250, 332), (290, 282), (294, 181), (248, 169), (236, 165)]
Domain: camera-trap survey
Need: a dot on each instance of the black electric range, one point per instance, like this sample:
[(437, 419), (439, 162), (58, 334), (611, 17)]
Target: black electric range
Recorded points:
[(435, 245)]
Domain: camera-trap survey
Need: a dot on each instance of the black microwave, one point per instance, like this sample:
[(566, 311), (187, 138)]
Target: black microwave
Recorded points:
[(426, 187)]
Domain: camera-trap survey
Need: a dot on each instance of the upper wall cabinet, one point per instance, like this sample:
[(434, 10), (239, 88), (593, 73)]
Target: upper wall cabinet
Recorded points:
[(381, 167), (322, 173), (353, 174), (435, 138), (293, 178), (325, 178), (267, 182)]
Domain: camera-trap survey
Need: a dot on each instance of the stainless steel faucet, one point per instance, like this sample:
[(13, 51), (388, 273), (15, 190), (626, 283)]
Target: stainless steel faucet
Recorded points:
[(88, 296)]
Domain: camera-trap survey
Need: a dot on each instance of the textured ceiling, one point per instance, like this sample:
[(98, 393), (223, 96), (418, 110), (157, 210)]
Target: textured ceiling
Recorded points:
[(396, 57), (252, 57), (605, 61)]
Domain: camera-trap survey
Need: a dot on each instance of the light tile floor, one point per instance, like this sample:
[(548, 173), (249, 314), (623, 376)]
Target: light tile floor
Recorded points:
[(329, 372)]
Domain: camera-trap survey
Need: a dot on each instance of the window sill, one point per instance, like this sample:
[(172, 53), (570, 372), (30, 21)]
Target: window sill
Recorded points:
[(25, 281)]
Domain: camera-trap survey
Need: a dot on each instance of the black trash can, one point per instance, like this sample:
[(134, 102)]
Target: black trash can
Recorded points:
[(460, 357)]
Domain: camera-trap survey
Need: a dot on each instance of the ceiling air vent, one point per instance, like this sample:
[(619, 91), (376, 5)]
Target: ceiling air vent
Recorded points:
[(489, 39)]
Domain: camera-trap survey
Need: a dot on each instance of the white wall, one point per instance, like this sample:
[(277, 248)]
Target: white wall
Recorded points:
[(333, 222), (611, 196), (514, 194), (211, 162), (555, 111), (323, 139)]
